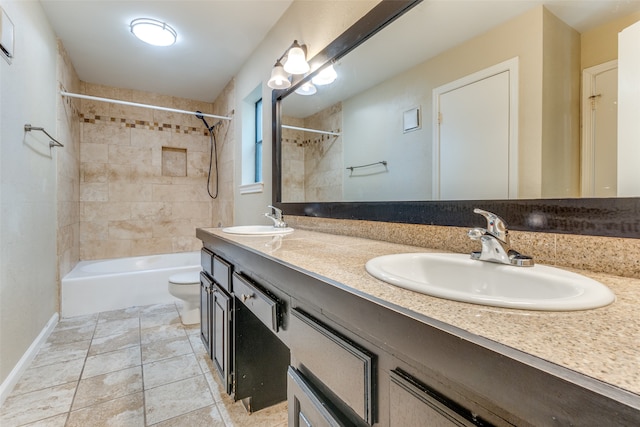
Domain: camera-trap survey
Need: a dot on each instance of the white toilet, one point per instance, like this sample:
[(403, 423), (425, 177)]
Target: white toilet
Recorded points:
[(186, 287)]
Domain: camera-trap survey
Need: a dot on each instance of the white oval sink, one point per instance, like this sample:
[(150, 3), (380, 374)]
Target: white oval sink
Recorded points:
[(257, 230), (458, 277)]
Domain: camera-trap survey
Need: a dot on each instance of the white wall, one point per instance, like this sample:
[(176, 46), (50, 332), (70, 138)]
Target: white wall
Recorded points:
[(315, 23), (28, 288)]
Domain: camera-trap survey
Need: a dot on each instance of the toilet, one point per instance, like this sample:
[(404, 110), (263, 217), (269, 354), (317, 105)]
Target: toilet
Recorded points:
[(186, 287)]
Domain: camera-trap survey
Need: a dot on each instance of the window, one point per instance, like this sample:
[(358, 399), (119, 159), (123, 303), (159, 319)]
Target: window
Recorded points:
[(258, 141)]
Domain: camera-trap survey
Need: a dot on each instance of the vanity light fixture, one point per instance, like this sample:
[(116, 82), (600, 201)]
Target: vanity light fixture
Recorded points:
[(307, 88), (153, 32), (279, 77), (295, 63), (326, 76)]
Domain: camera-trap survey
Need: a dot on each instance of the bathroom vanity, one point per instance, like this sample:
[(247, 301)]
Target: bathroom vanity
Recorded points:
[(298, 317)]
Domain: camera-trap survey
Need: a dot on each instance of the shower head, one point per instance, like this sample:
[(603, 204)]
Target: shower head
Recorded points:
[(201, 117)]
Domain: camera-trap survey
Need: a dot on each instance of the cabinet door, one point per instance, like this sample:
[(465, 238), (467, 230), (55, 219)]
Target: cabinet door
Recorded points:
[(205, 311), (412, 403), (307, 407), (221, 336)]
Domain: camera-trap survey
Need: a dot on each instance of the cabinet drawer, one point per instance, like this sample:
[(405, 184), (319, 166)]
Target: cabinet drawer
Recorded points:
[(413, 403), (206, 260), (263, 305), (307, 407), (343, 368), (222, 273)]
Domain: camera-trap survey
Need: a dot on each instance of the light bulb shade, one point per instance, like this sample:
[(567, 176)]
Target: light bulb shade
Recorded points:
[(306, 89), (296, 61), (279, 78), (153, 32), (326, 76)]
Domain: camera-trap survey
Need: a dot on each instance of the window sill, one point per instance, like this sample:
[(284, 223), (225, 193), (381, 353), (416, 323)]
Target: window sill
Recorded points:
[(256, 187)]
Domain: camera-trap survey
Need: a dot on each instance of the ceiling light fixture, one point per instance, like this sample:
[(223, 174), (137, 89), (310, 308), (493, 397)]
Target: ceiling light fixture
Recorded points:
[(153, 32), (295, 62)]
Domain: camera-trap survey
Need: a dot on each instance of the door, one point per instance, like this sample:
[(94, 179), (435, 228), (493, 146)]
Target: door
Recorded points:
[(475, 142), (600, 130)]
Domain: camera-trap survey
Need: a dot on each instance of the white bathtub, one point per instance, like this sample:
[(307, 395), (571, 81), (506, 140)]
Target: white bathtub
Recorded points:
[(112, 284)]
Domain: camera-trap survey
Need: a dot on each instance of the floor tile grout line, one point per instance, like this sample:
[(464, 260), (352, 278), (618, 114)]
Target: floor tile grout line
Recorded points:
[(84, 364)]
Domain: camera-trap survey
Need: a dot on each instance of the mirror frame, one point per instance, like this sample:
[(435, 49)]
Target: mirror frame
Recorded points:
[(610, 217)]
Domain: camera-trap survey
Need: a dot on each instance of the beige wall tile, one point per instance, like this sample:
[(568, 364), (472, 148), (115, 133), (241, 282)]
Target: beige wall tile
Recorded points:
[(151, 246), (179, 192), (130, 230), (94, 192), (130, 192), (94, 172), (103, 249), (152, 211), (104, 211), (93, 231), (90, 152), (121, 150)]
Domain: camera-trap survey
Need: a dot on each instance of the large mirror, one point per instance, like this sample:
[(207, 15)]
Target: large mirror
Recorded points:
[(458, 101)]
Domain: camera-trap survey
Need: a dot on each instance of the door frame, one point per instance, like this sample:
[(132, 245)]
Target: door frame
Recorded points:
[(587, 144), (510, 65)]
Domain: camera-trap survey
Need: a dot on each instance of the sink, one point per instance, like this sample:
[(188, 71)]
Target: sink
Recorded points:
[(257, 230), (458, 277)]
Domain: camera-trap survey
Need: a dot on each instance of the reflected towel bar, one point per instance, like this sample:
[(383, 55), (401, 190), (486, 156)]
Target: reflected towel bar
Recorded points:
[(52, 143), (383, 163)]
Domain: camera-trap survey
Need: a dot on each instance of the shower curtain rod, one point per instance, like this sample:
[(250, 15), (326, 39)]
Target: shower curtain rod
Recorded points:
[(324, 132), (135, 104)]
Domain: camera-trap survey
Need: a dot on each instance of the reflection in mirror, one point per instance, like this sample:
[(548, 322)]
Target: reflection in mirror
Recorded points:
[(466, 100)]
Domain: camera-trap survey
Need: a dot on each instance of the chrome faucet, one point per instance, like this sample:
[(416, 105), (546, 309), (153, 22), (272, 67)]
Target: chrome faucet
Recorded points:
[(276, 216), (495, 242)]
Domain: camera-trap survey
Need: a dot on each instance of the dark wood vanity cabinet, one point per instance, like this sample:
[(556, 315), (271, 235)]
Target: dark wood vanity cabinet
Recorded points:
[(216, 320), (237, 321), (340, 358)]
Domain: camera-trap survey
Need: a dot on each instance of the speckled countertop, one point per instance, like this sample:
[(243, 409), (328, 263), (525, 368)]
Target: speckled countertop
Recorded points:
[(603, 343)]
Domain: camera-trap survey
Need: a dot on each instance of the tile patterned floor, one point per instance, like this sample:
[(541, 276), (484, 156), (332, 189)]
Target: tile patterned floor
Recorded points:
[(134, 367)]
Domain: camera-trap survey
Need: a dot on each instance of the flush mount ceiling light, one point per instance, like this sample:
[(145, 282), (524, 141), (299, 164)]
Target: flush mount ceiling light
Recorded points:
[(295, 62), (153, 32)]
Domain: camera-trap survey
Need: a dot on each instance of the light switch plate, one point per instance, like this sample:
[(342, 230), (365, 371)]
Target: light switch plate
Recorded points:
[(6, 36)]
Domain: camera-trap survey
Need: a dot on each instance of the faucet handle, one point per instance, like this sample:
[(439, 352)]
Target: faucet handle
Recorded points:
[(276, 211), (495, 225)]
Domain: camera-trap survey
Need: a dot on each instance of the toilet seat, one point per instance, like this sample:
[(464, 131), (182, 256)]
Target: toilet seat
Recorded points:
[(190, 278)]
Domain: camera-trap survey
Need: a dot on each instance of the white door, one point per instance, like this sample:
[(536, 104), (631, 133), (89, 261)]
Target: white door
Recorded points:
[(475, 148), (600, 134)]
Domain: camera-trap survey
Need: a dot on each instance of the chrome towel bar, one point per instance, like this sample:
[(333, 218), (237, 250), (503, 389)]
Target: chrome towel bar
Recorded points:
[(52, 143)]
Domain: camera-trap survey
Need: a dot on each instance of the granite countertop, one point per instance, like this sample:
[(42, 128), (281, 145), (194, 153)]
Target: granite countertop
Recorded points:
[(602, 343)]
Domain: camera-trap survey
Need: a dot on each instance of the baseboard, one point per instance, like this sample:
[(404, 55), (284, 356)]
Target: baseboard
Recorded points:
[(12, 379)]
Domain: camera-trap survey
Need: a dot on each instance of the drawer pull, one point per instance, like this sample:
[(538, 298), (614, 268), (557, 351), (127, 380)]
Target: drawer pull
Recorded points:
[(245, 297)]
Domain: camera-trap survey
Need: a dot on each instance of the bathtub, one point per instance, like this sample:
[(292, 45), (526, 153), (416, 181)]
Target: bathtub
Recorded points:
[(112, 284)]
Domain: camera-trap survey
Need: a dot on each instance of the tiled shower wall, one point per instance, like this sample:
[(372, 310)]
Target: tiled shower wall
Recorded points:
[(312, 163), (143, 175), (68, 166)]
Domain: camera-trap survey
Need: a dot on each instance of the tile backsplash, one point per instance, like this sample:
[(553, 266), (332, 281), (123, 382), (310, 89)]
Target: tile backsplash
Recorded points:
[(612, 255)]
